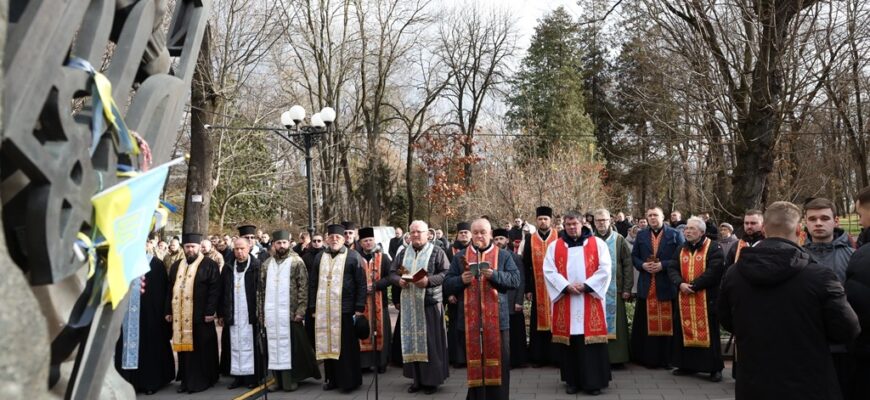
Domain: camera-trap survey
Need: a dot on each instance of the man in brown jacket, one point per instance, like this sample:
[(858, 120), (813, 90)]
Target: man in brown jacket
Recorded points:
[(281, 302)]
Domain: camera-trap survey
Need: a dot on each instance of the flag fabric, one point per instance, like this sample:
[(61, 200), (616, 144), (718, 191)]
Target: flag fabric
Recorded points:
[(124, 214)]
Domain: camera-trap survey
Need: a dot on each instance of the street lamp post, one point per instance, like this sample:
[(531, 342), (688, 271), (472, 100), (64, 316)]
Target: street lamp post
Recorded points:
[(305, 138)]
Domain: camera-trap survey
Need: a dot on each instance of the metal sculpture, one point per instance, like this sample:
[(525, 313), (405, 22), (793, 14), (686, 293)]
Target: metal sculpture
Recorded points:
[(58, 151)]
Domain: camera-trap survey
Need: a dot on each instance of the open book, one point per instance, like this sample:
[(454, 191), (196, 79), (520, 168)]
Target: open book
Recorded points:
[(407, 277)]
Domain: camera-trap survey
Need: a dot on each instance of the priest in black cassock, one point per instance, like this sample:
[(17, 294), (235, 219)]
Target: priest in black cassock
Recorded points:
[(424, 341), (376, 348), (238, 315), (541, 349), (578, 272), (516, 297), (487, 334), (455, 341), (336, 296), (697, 270), (191, 305), (145, 340)]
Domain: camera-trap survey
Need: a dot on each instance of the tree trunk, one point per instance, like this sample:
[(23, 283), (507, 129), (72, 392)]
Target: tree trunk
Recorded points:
[(409, 181), (199, 174)]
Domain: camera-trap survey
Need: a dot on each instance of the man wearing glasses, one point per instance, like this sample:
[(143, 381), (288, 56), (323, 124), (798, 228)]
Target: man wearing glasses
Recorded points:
[(249, 232)]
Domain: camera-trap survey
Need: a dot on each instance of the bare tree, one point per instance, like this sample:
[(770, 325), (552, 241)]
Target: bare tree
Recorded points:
[(476, 46)]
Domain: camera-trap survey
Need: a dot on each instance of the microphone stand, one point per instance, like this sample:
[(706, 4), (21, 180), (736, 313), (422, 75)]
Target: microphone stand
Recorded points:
[(480, 320), (375, 354)]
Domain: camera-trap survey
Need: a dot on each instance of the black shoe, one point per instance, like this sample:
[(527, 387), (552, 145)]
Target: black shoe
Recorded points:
[(429, 389), (383, 369), (572, 390), (235, 383), (252, 385), (617, 366), (716, 376), (682, 372), (593, 392), (149, 392), (181, 389), (413, 389), (329, 386)]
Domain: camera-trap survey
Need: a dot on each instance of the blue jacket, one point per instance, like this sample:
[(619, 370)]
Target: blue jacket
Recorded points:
[(505, 278), (672, 239)]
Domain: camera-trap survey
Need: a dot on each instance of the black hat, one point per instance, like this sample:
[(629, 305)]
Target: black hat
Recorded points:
[(361, 327), (463, 226), (188, 238), (367, 232), (500, 232), (349, 225), (280, 235), (335, 229), (544, 211), (247, 230)]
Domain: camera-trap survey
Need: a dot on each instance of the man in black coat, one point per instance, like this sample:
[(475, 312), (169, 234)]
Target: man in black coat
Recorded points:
[(858, 292), (696, 270), (240, 347), (516, 297), (395, 243), (336, 299), (784, 309), (194, 337)]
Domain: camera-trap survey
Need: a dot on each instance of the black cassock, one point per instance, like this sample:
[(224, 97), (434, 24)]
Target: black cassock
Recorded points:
[(344, 373), (699, 359), (367, 358), (541, 350), (227, 312), (518, 346), (396, 345), (156, 365), (455, 338), (198, 369)]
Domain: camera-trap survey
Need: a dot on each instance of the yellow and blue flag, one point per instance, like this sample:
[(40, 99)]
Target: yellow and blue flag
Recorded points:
[(124, 214)]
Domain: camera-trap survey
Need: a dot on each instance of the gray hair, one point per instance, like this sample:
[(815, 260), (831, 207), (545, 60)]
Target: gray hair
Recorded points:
[(419, 222), (601, 212), (571, 214), (698, 222)]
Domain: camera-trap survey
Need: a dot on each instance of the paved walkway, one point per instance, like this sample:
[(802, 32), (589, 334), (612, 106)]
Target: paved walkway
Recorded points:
[(632, 383)]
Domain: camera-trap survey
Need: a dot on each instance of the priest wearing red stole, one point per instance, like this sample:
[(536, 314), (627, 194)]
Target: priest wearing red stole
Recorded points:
[(482, 276), (577, 272), (697, 271), (375, 350)]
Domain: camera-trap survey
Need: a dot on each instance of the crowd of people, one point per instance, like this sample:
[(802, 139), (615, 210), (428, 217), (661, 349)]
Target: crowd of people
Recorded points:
[(793, 290)]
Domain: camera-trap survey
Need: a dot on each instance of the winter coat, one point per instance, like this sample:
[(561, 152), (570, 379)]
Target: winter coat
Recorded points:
[(784, 309), (834, 255), (727, 243), (670, 243), (858, 292)]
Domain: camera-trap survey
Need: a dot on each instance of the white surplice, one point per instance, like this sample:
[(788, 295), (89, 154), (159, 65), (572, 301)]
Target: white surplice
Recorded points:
[(241, 332), (277, 313), (599, 281)]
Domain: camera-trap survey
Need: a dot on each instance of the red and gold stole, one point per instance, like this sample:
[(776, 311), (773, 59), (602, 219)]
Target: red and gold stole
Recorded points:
[(693, 307), (740, 245), (490, 373), (594, 324), (542, 299), (373, 274), (659, 316)]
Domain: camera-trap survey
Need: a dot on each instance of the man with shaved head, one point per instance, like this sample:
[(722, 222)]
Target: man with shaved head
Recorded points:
[(419, 270), (487, 334), (238, 315)]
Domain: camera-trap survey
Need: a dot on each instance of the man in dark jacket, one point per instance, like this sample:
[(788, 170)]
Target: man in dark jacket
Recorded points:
[(652, 331), (784, 309), (519, 346), (858, 292)]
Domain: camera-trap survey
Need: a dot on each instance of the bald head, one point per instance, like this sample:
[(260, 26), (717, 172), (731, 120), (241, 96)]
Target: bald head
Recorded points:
[(481, 232)]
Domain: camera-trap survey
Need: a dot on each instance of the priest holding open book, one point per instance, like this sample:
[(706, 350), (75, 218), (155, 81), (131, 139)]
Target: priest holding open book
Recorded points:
[(419, 269)]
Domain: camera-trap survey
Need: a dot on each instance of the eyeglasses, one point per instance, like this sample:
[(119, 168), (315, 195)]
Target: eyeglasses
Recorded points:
[(249, 236), (317, 240)]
